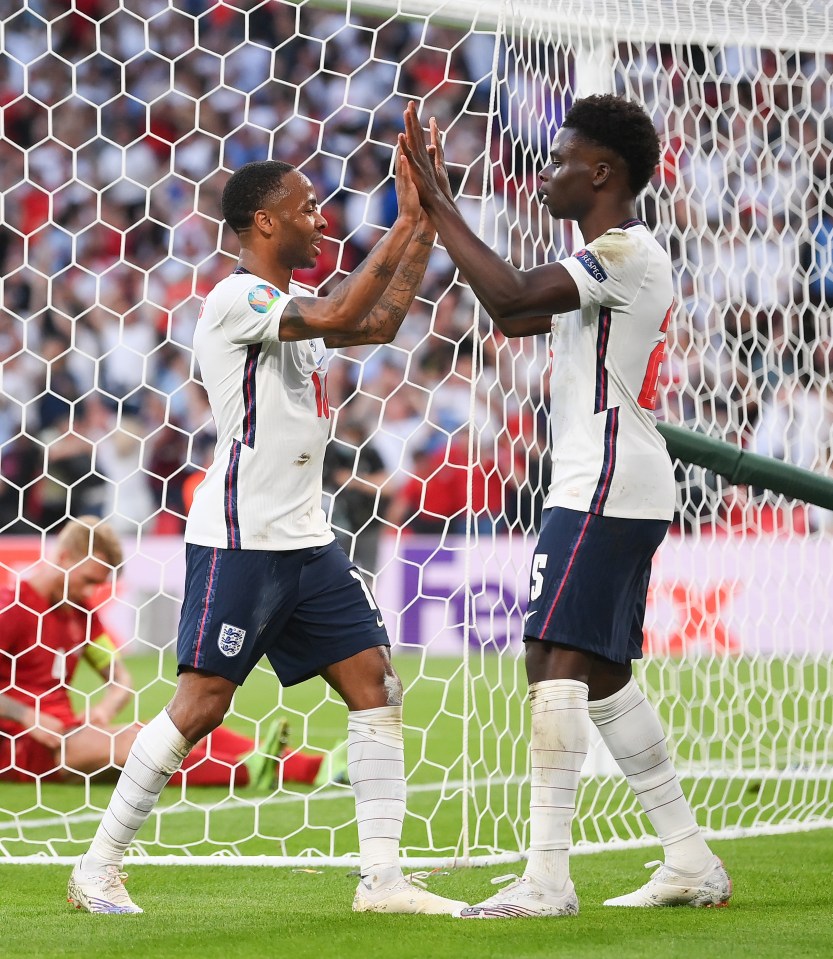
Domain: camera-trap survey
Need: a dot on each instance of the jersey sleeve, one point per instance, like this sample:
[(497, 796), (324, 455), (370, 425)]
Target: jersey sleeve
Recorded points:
[(608, 272), (253, 313)]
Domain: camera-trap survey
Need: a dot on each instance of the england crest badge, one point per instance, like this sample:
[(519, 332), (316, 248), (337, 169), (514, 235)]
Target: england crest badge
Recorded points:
[(231, 639)]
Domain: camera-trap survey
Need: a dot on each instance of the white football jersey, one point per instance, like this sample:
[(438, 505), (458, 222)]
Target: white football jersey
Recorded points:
[(607, 455), (269, 402)]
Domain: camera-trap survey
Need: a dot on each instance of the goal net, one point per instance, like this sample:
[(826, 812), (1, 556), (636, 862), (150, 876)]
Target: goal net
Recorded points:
[(121, 123)]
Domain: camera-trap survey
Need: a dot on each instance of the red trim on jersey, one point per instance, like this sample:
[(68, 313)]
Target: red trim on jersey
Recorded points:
[(602, 340), (250, 394), (232, 519), (627, 224), (597, 504)]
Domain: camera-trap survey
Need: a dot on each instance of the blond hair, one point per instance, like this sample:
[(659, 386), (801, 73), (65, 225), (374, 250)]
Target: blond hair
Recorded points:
[(90, 536)]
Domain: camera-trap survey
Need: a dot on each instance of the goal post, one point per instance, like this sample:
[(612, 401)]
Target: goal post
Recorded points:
[(121, 123)]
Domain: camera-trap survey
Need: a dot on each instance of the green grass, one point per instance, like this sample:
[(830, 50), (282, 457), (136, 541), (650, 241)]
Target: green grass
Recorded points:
[(776, 714), (781, 909)]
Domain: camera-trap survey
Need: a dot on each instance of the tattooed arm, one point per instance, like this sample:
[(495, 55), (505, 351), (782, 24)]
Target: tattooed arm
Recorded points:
[(382, 323), (344, 311)]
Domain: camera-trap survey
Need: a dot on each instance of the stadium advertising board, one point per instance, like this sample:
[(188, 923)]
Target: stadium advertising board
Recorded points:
[(723, 596)]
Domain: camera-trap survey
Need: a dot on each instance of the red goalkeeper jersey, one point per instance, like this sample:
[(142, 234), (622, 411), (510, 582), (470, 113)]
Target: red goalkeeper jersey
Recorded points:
[(40, 648)]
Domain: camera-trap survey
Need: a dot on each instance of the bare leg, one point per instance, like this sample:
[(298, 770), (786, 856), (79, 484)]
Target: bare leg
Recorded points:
[(200, 703), (366, 680), (602, 677)]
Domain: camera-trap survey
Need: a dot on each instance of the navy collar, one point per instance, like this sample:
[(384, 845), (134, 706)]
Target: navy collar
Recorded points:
[(627, 224)]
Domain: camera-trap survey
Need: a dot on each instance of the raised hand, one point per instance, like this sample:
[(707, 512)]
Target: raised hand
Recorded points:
[(423, 167), (407, 197), (437, 154)]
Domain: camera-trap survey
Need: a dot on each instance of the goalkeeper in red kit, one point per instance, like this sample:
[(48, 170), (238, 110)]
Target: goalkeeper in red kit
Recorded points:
[(47, 629)]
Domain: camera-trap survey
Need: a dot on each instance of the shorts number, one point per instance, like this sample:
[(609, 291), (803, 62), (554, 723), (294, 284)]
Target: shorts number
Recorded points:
[(648, 394), (365, 588), (539, 562)]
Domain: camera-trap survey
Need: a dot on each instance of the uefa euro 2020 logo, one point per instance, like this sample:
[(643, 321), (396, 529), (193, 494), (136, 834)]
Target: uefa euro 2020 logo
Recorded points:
[(262, 298)]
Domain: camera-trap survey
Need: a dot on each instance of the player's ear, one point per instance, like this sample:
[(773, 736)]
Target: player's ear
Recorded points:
[(262, 220), (601, 174)]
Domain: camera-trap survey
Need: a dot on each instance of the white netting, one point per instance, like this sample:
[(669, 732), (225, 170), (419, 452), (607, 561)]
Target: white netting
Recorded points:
[(121, 122)]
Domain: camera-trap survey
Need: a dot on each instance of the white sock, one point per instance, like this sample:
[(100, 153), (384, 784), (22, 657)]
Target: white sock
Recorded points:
[(156, 754), (631, 729), (558, 746), (376, 764)]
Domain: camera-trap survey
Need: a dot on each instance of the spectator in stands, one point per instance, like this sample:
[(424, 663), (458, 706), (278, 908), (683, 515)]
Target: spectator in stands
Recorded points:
[(355, 476), (70, 480), (59, 387), (109, 191), (817, 254)]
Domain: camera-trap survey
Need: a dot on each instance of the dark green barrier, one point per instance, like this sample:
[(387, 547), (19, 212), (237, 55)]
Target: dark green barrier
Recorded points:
[(740, 467)]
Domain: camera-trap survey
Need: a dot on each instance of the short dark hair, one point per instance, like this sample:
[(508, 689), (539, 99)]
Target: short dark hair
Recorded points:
[(250, 189), (622, 126)]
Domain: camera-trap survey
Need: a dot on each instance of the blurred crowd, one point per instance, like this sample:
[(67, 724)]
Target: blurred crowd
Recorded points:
[(748, 168), (121, 126)]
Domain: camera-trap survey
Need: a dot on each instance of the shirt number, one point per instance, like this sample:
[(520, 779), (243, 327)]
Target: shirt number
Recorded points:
[(648, 394), (322, 404)]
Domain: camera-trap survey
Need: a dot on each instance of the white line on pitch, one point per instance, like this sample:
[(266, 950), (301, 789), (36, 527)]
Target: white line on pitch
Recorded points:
[(452, 786), (180, 808)]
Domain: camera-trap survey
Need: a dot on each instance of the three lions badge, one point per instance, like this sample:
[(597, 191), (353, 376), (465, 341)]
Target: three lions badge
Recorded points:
[(231, 639)]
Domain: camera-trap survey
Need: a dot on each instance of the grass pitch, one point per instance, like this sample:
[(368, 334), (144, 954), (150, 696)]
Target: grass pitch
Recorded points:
[(781, 910), (783, 901), (707, 724)]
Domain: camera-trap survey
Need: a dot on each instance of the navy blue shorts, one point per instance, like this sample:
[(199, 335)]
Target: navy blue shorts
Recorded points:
[(304, 609), (589, 582)]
